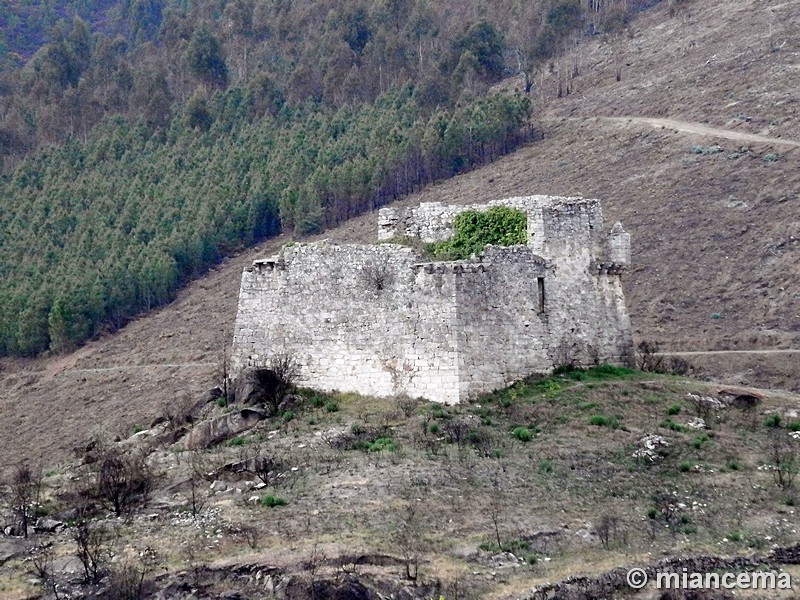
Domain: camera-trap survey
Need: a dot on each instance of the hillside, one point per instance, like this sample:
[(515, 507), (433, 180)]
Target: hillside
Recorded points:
[(694, 149), (526, 487), (715, 241)]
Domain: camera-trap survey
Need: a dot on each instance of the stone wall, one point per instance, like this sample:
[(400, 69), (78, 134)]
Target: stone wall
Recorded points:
[(381, 320)]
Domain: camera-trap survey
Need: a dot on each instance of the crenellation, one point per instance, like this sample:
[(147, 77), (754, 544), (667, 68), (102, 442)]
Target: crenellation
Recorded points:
[(381, 320)]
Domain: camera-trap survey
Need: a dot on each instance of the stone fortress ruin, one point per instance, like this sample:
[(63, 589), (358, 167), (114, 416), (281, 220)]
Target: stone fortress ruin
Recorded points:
[(382, 320)]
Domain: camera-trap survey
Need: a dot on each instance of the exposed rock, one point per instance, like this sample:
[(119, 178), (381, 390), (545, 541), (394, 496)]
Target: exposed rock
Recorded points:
[(211, 432), (45, 525), (255, 385)]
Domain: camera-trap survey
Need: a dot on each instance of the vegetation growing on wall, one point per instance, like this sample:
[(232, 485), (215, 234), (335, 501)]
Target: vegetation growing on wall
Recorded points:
[(473, 230)]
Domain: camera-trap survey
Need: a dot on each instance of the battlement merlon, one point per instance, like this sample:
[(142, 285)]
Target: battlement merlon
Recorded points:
[(555, 224)]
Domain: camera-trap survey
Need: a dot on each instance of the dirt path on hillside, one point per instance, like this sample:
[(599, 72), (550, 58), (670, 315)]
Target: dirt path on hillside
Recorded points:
[(723, 352), (697, 128)]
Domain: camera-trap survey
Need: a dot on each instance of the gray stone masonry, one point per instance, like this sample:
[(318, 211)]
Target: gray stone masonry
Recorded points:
[(381, 320)]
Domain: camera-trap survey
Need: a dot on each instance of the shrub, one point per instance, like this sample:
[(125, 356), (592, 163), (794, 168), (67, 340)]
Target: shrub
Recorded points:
[(793, 426), (603, 421), (523, 434), (733, 465), (685, 466), (433, 428), (699, 441), (331, 406), (735, 537), (287, 416), (673, 409), (237, 442), (672, 426), (381, 444), (652, 513), (545, 466), (473, 230), (773, 420), (271, 501)]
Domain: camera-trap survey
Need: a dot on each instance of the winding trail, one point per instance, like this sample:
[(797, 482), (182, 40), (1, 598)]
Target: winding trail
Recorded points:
[(696, 128), (724, 352)]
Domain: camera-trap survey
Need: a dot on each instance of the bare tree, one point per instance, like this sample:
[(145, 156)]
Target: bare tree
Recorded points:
[(123, 480), (23, 489), (222, 374), (783, 455), (649, 357), (496, 506), (41, 560), (279, 376), (91, 549), (606, 529)]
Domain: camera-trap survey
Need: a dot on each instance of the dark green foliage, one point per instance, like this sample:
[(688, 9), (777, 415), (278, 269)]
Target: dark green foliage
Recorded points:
[(604, 421), (271, 501), (473, 230), (773, 420), (523, 434), (205, 58), (482, 47), (94, 233)]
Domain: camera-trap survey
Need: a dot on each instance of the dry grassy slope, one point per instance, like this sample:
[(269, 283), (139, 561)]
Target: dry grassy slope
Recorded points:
[(713, 234)]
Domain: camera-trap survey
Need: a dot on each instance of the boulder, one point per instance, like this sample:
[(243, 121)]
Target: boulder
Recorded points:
[(212, 432), (45, 525), (255, 385)]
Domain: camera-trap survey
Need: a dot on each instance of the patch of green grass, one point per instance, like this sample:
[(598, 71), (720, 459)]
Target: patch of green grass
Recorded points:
[(770, 157), (685, 466), (773, 420), (735, 537), (587, 405), (672, 426), (136, 429), (287, 416), (545, 466), (377, 445), (673, 409), (652, 513), (604, 421), (238, 441), (222, 402), (271, 501), (332, 406), (433, 428), (733, 465), (793, 426), (523, 434), (512, 546), (699, 441)]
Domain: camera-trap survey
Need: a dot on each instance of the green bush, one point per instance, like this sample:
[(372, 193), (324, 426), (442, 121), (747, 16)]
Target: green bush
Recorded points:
[(773, 421), (287, 416), (733, 465), (672, 426), (473, 230), (433, 428), (331, 406), (545, 466), (685, 466), (272, 501), (699, 441), (523, 434), (793, 426), (381, 444), (237, 441), (652, 513), (603, 421), (673, 409)]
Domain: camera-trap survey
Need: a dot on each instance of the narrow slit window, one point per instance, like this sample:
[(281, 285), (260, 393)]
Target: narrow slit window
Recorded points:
[(540, 287)]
